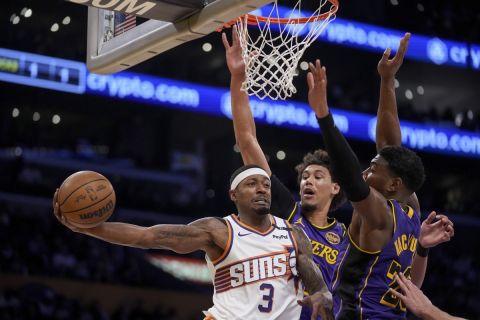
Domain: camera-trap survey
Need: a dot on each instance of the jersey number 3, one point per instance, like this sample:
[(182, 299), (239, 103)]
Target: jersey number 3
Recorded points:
[(267, 301)]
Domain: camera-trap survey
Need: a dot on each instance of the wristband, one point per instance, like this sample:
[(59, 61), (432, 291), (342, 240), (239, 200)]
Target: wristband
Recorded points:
[(421, 251)]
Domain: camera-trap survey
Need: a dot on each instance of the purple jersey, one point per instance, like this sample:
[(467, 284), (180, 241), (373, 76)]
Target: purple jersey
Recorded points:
[(363, 278), (327, 248), (326, 241)]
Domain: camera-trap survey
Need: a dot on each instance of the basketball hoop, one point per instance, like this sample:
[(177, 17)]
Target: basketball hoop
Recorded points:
[(271, 58)]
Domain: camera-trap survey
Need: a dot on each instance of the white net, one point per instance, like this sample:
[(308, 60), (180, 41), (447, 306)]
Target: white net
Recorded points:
[(272, 52)]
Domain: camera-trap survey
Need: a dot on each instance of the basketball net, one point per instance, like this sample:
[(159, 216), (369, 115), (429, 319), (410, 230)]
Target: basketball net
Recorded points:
[(271, 58)]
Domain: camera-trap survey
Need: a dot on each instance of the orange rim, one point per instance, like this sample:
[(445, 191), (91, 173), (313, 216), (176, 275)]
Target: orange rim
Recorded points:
[(253, 19)]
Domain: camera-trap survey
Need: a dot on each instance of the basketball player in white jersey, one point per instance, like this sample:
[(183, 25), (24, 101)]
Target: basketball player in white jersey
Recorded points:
[(256, 260)]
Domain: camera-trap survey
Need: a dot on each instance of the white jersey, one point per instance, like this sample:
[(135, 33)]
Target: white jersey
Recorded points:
[(256, 276)]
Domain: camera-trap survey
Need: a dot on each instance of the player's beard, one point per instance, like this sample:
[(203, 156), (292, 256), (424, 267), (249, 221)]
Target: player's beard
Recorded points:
[(262, 211), (308, 208)]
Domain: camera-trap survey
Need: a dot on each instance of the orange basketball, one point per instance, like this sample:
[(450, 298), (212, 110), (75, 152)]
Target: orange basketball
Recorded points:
[(86, 199)]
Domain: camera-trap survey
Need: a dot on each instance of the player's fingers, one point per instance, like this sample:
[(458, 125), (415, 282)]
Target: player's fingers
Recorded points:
[(225, 40), (397, 294), (318, 66), (402, 282), (402, 48), (324, 73), (445, 219), (310, 81), (311, 66), (235, 35), (315, 72), (405, 280), (386, 54), (315, 314), (450, 230), (431, 217)]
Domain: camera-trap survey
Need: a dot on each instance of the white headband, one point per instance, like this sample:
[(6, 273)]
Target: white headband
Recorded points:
[(245, 174)]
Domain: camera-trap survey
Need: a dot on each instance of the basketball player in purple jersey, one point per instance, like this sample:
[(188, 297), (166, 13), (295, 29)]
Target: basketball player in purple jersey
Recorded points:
[(383, 235), (319, 193)]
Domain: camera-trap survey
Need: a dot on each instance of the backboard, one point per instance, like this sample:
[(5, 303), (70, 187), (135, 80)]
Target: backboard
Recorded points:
[(170, 23)]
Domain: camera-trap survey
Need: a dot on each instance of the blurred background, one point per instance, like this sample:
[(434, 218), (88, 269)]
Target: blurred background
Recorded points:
[(170, 158)]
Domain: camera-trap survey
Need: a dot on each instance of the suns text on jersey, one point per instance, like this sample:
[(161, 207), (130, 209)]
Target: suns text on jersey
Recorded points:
[(261, 268)]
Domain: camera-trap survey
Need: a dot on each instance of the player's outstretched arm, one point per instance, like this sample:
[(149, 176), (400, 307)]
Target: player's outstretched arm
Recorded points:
[(345, 166), (243, 123), (319, 299), (417, 302), (283, 202), (388, 125), (207, 234)]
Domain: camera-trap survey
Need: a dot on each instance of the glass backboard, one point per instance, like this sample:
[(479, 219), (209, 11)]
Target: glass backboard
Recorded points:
[(163, 25)]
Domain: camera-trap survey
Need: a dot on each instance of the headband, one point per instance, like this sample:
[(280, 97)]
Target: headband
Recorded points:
[(245, 174)]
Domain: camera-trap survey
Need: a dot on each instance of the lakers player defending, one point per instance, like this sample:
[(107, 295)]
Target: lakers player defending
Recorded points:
[(383, 234), (257, 260)]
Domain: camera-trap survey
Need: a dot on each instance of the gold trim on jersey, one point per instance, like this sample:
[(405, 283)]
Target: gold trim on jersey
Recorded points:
[(358, 248), (410, 212), (228, 246), (290, 216), (392, 205), (325, 227), (337, 271), (364, 286)]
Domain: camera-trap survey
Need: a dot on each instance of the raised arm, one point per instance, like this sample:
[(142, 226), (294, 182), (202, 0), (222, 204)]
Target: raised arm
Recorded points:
[(243, 123), (319, 298), (388, 125), (207, 234), (368, 203), (283, 202)]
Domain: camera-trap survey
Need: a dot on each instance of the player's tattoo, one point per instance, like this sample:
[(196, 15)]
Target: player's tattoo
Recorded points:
[(309, 271)]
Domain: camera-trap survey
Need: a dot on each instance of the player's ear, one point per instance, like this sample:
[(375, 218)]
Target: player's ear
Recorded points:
[(233, 195), (335, 188), (395, 184)]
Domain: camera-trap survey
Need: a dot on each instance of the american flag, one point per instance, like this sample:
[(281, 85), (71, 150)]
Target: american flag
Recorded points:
[(124, 22)]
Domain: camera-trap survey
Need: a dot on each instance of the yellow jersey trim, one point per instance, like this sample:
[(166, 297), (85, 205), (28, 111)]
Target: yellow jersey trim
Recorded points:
[(290, 216), (364, 286), (340, 266), (394, 217), (358, 247), (327, 226)]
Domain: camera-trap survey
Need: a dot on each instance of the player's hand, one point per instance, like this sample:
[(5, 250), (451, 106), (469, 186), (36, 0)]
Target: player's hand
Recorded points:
[(58, 214), (317, 89), (321, 303), (412, 297), (387, 68), (433, 232), (233, 52)]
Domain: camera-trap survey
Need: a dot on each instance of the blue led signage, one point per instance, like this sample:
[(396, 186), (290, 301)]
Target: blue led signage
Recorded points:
[(16, 67), (377, 39), (41, 71)]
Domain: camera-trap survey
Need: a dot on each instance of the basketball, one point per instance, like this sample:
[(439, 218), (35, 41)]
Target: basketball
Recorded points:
[(86, 199)]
